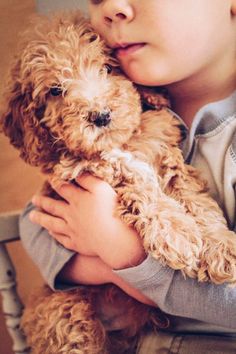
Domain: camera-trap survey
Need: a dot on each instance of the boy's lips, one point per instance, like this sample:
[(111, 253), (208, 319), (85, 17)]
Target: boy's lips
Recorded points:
[(127, 48)]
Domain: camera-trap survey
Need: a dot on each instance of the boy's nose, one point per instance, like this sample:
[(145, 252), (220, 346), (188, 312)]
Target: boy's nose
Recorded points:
[(116, 11)]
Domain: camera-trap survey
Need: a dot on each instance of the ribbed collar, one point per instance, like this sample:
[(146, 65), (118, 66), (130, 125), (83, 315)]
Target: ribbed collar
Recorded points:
[(207, 119)]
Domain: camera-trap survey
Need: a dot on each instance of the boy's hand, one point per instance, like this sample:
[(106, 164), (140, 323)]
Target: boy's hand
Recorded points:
[(86, 222)]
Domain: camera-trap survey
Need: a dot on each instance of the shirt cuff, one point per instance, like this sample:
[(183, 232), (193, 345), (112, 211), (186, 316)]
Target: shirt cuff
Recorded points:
[(148, 272)]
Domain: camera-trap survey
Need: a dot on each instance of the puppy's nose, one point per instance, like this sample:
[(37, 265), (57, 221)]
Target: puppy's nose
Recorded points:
[(100, 119)]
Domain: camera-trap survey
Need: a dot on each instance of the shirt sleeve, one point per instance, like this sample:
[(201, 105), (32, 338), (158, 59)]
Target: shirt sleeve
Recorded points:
[(48, 255), (184, 297)]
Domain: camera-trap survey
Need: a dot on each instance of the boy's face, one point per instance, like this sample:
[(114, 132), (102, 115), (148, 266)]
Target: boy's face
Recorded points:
[(167, 41)]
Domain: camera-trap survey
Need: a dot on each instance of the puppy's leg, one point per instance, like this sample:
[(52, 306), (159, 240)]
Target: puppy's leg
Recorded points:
[(168, 232), (218, 256), (125, 319), (63, 322), (218, 252)]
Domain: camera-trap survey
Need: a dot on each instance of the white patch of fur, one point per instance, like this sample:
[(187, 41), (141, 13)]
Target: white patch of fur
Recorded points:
[(135, 164)]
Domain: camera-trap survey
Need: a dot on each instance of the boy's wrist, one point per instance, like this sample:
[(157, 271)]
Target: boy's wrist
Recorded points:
[(131, 261), (128, 289), (121, 260), (85, 270)]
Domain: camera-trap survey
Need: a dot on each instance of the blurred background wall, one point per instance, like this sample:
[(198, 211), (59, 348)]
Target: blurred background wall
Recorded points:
[(18, 181), (46, 6)]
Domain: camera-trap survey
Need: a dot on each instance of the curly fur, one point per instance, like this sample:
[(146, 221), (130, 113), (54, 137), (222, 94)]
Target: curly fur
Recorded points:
[(68, 322), (67, 113)]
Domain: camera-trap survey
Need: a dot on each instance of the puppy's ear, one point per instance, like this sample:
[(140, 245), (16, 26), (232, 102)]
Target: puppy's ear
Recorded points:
[(20, 120), (12, 106)]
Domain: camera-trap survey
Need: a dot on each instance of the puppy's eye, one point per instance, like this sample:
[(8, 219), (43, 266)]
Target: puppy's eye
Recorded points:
[(108, 68), (55, 91)]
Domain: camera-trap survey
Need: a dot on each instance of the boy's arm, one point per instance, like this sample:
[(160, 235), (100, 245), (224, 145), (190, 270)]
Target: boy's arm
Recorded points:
[(48, 255), (185, 297)]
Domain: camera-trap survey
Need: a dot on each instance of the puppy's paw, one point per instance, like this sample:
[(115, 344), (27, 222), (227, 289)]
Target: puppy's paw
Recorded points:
[(218, 262)]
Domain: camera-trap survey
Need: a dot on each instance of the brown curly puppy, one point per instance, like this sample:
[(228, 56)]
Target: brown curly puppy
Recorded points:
[(69, 110)]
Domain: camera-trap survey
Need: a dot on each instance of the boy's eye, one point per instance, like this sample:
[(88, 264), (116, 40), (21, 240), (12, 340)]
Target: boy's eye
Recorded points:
[(55, 91)]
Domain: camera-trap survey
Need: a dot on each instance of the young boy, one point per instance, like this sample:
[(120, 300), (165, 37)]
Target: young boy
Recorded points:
[(189, 47)]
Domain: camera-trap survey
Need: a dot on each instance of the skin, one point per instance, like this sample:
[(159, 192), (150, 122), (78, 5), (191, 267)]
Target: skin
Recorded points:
[(189, 48)]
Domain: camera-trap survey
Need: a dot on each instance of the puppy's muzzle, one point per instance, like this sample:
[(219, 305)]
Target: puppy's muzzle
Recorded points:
[(100, 119)]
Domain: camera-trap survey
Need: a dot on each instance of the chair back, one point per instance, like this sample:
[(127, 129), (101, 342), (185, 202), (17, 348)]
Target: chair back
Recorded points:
[(11, 304)]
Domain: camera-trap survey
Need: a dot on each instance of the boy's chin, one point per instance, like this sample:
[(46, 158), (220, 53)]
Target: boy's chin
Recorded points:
[(145, 76)]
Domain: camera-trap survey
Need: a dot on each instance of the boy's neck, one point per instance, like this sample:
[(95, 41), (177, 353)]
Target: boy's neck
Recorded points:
[(189, 96)]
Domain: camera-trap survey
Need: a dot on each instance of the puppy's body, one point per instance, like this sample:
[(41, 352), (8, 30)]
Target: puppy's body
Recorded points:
[(69, 110), (164, 199)]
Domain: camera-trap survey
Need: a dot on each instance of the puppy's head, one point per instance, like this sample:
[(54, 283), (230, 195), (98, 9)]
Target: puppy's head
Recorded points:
[(65, 94)]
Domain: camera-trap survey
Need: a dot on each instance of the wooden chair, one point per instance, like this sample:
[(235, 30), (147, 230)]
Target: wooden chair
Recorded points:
[(11, 303)]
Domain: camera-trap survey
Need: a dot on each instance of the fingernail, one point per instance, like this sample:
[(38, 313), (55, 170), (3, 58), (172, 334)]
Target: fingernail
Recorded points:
[(34, 199)]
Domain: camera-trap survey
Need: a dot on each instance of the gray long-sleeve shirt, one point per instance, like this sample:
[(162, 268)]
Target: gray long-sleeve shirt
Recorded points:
[(196, 307)]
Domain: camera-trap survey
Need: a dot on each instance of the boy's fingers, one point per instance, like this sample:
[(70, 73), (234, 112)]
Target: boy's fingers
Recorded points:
[(67, 191), (87, 181), (93, 184), (51, 206), (48, 222)]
